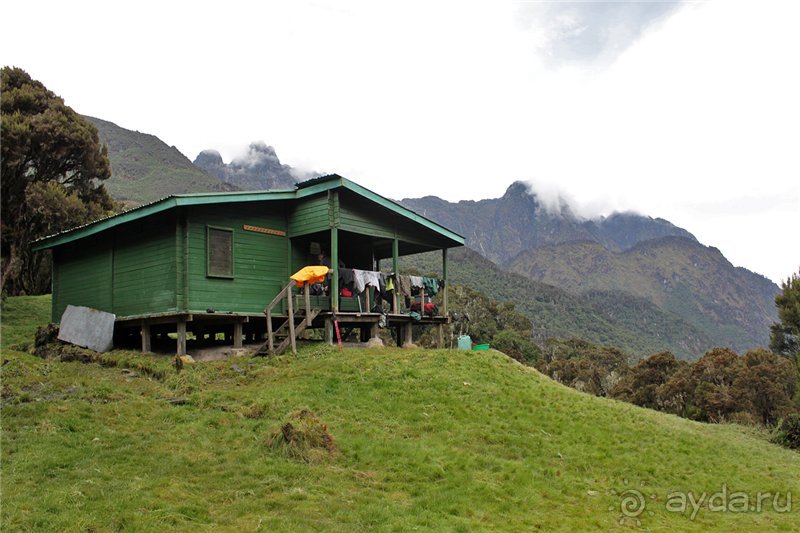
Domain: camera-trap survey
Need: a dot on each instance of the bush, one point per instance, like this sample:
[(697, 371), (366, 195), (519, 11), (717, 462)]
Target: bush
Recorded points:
[(303, 437), (788, 432), (515, 345)]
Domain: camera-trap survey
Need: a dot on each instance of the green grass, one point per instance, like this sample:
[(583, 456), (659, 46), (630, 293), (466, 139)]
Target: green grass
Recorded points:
[(19, 318), (424, 439)]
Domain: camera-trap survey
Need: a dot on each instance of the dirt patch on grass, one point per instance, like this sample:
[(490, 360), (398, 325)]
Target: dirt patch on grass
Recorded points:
[(303, 437)]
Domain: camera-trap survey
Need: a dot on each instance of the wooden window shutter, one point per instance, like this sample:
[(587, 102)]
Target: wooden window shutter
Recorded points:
[(220, 252)]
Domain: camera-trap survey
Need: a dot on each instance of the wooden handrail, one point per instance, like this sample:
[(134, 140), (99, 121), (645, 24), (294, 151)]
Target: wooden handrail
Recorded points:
[(291, 322), (280, 296), (307, 295), (285, 292)]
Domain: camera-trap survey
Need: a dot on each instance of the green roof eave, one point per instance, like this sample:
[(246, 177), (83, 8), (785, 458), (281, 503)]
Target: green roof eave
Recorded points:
[(158, 206), (399, 209), (333, 181), (309, 188)]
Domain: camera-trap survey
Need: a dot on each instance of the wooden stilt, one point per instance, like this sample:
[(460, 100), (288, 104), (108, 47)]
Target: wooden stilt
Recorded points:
[(145, 337), (182, 337), (408, 337), (329, 331), (237, 335)]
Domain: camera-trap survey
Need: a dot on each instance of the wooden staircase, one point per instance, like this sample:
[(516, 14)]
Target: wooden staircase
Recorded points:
[(286, 334)]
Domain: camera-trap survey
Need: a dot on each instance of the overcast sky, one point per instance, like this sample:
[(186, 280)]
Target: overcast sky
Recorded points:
[(687, 111)]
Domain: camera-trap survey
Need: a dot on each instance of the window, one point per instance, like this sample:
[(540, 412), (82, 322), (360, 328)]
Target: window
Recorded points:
[(219, 243)]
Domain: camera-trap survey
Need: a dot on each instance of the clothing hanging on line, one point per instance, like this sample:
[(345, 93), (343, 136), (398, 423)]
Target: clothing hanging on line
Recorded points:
[(364, 278), (431, 286), (404, 284), (346, 277)]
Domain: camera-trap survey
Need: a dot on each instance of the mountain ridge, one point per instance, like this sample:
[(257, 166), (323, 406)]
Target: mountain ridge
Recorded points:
[(144, 168), (643, 257), (258, 169), (525, 222), (684, 277)]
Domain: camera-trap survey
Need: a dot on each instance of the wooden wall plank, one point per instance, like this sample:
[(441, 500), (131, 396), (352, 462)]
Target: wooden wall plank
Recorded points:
[(260, 259)]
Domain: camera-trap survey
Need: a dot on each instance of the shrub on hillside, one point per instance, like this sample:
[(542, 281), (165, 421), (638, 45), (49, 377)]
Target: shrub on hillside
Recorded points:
[(642, 383), (303, 437), (513, 344), (766, 382), (788, 432), (721, 386), (584, 366)]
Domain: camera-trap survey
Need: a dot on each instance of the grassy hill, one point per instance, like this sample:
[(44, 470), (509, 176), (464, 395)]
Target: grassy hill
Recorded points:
[(144, 168), (425, 439), (614, 318)]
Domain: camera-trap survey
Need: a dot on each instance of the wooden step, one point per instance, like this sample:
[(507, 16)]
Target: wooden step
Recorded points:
[(284, 337)]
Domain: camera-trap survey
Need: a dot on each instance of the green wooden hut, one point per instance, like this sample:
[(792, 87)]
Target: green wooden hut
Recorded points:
[(212, 263)]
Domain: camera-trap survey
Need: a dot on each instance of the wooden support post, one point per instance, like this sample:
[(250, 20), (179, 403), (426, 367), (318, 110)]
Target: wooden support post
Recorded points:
[(444, 278), (440, 327), (408, 337), (394, 293), (181, 336), (367, 303), (270, 338), (237, 334), (374, 337), (335, 269), (291, 322), (329, 331), (307, 294), (396, 266), (145, 337)]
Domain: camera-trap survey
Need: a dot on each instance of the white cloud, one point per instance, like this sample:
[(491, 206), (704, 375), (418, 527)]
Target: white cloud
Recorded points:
[(589, 31)]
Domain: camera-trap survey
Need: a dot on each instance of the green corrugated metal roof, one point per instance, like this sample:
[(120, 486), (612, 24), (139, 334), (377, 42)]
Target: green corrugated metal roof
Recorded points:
[(302, 190)]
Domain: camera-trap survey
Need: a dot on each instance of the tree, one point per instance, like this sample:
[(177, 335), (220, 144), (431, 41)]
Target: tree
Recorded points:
[(784, 336), (53, 166), (676, 396), (715, 399), (641, 384), (512, 343), (584, 366), (765, 385)]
